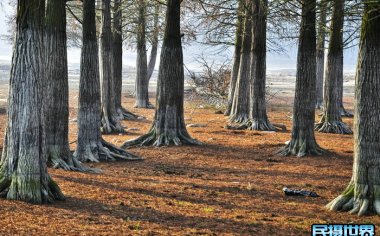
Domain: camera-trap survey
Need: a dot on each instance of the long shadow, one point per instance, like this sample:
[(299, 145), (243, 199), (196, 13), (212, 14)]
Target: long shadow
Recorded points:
[(218, 225), (171, 196)]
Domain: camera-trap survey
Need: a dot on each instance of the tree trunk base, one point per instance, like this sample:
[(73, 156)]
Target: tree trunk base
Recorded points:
[(227, 112), (302, 147), (256, 124), (147, 105), (335, 127), (66, 161), (345, 113), (356, 199), (111, 125), (104, 151), (31, 190), (124, 114), (239, 119), (319, 105), (168, 138)]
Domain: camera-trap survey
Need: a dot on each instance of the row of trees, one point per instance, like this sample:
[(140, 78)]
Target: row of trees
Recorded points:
[(37, 127)]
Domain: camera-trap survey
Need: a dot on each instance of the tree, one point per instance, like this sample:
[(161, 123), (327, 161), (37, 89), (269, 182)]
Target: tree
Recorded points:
[(155, 40), (240, 104), (23, 172), (117, 62), (110, 119), (169, 125), (56, 96), (303, 140), (142, 80), (91, 146), (331, 121), (362, 195), (321, 38), (258, 115), (237, 55)]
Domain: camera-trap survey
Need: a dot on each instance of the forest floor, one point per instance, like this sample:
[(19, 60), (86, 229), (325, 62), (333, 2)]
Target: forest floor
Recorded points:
[(232, 185)]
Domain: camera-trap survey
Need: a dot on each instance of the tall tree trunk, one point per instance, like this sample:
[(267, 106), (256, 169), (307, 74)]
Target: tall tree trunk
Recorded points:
[(321, 38), (258, 114), (91, 146), (154, 49), (110, 119), (362, 196), (303, 140), (240, 104), (56, 97), (331, 121), (169, 125), (23, 172), (237, 55), (142, 80), (117, 62)]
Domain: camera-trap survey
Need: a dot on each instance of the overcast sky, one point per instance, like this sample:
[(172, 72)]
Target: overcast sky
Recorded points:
[(274, 61)]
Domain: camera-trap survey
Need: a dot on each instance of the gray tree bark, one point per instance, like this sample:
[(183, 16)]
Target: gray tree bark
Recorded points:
[(91, 147), (110, 119), (56, 98), (154, 49), (240, 104), (331, 121), (258, 114), (117, 62), (169, 125), (303, 140), (142, 80), (23, 172), (237, 55), (362, 195), (321, 38)]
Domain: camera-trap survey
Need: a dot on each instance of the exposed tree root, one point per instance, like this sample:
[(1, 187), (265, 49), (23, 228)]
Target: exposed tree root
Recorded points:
[(319, 105), (336, 127), (29, 188), (345, 113), (111, 125), (146, 106), (124, 114), (357, 199), (168, 138), (239, 119), (301, 147), (104, 151), (67, 161), (254, 124)]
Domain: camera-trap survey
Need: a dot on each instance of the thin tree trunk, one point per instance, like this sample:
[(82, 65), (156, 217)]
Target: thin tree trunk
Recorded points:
[(331, 121), (303, 140), (142, 80), (117, 62), (91, 146), (56, 98), (154, 49), (321, 38), (362, 196), (110, 119), (23, 172), (169, 125), (240, 104), (237, 55)]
